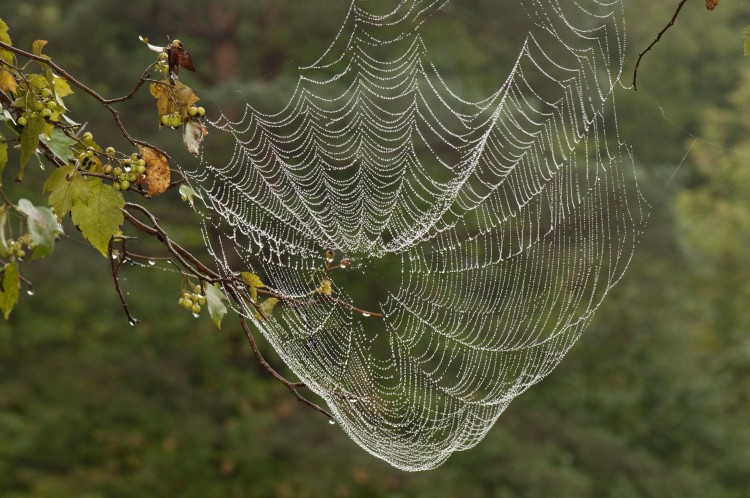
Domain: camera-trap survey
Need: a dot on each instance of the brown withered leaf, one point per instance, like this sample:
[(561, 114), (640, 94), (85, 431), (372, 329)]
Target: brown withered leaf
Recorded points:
[(711, 4), (157, 170), (7, 82), (184, 96), (178, 57)]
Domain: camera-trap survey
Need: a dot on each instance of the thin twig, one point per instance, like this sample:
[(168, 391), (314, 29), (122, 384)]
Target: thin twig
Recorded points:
[(656, 40), (115, 263), (292, 386)]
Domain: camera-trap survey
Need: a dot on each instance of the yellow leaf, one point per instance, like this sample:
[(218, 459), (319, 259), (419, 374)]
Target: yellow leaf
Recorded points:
[(62, 88), (162, 93), (37, 46), (8, 82), (158, 174), (325, 287)]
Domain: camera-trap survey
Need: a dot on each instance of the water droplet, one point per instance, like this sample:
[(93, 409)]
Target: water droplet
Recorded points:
[(132, 322), (151, 262), (196, 315), (342, 266), (352, 400), (365, 314), (330, 260), (331, 421), (30, 292), (114, 255)]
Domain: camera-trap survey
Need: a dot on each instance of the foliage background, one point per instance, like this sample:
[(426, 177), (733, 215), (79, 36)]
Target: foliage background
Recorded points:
[(651, 402)]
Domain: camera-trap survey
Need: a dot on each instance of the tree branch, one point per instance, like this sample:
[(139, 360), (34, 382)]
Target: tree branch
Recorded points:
[(656, 40)]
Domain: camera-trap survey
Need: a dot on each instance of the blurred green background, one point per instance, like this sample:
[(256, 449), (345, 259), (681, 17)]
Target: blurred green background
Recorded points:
[(653, 401)]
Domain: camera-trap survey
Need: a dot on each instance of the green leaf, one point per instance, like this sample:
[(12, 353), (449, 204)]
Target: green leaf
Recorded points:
[(60, 144), (188, 194), (66, 186), (62, 88), (252, 280), (6, 55), (266, 308), (99, 216), (30, 141), (214, 301), (43, 227), (9, 289), (746, 36), (3, 157)]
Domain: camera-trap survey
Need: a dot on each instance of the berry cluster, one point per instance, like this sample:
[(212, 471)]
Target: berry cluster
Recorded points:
[(123, 170), (192, 301), (15, 248), (39, 102), (174, 120)]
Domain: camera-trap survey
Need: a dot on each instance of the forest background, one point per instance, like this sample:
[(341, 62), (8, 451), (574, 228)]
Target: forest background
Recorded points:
[(653, 401)]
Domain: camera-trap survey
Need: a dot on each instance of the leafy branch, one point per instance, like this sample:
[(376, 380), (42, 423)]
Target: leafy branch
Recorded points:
[(89, 182)]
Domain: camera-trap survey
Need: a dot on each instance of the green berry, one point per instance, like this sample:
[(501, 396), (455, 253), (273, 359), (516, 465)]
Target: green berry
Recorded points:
[(38, 106), (22, 121), (46, 93), (165, 119), (90, 154), (45, 113), (181, 303), (107, 169), (88, 136), (140, 169), (22, 254), (201, 112), (110, 151), (124, 185), (186, 295), (132, 176), (140, 162), (117, 171), (51, 105), (193, 110), (196, 308), (187, 304), (202, 300), (116, 186), (176, 43)]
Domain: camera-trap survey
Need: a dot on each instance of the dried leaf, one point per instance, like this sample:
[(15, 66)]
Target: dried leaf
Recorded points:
[(162, 95), (192, 136), (158, 174), (8, 82), (178, 57)]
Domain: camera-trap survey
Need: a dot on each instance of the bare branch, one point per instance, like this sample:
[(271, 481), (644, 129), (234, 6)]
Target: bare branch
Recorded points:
[(656, 40)]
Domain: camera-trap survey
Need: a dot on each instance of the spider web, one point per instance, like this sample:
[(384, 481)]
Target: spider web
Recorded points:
[(485, 232)]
